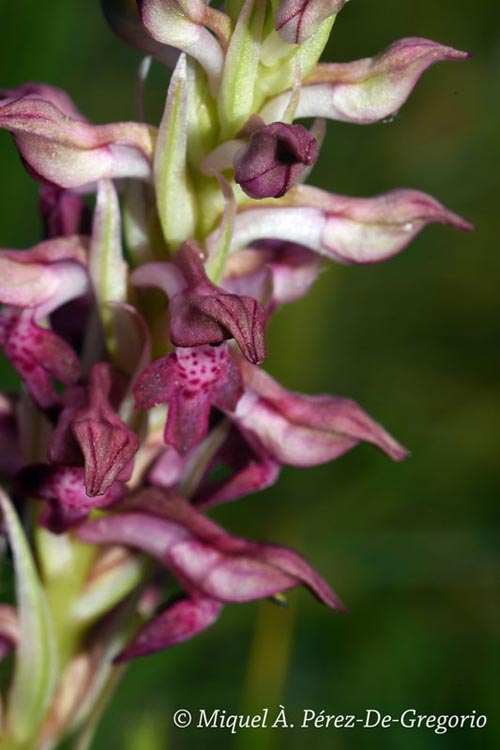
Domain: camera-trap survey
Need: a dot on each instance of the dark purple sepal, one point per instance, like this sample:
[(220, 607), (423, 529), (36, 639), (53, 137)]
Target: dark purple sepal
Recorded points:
[(213, 319), (190, 381), (231, 569), (57, 97), (274, 159), (203, 313), (179, 622), (168, 468), (107, 444), (58, 146)]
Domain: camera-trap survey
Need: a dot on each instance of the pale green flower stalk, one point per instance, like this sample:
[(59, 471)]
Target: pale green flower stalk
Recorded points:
[(132, 402)]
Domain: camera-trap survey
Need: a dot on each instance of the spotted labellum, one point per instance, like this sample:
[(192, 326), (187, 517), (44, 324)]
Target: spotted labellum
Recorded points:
[(137, 329)]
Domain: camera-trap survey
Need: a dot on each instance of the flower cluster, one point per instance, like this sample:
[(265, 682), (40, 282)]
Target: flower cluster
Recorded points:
[(138, 327)]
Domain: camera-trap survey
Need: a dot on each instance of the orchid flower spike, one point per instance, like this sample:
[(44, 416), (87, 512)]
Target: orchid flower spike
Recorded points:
[(140, 409)]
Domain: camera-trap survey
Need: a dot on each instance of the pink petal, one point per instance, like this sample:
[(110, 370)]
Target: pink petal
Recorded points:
[(168, 468), (71, 152), (58, 97), (168, 505), (38, 355), (252, 471), (235, 570), (147, 532), (26, 284), (305, 430), (204, 557), (32, 278), (294, 565), (348, 230), (179, 622), (274, 272), (164, 276), (181, 24), (367, 90)]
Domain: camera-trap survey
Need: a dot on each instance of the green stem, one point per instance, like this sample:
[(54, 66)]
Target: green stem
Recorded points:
[(84, 739), (64, 564)]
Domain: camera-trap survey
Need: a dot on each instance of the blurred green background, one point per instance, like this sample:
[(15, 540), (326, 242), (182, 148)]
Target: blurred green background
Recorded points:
[(412, 549)]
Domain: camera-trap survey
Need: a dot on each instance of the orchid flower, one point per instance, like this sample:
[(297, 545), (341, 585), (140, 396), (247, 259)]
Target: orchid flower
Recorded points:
[(59, 146), (133, 399), (304, 430), (368, 90), (34, 284), (212, 565), (200, 312)]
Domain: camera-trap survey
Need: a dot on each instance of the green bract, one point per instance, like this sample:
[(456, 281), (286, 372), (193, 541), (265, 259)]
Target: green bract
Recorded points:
[(36, 665)]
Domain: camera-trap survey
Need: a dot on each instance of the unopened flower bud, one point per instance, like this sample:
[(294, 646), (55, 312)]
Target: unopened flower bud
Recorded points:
[(274, 159)]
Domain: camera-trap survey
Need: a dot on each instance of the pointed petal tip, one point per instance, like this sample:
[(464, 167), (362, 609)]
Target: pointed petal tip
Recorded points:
[(444, 51), (458, 222), (414, 206), (433, 211), (372, 89), (256, 358), (459, 54), (399, 453), (389, 445), (330, 599), (339, 606), (386, 443)]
